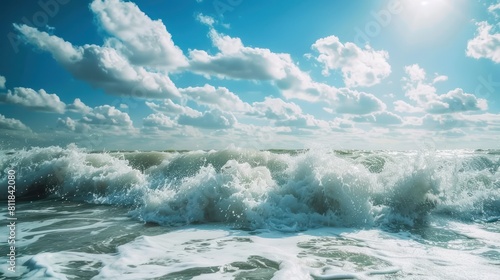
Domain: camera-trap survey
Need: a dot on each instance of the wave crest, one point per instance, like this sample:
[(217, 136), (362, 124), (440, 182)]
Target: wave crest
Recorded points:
[(253, 189)]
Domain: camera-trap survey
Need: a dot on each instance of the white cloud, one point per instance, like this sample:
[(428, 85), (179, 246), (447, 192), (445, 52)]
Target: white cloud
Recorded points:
[(453, 122), (102, 67), (42, 101), (443, 122), (403, 107), (213, 119), (298, 85), (486, 44), (494, 9), (105, 119), (426, 98), (12, 124), (421, 93), (347, 101), (276, 109), (67, 123), (415, 73), (328, 110), (205, 19), (360, 67), (142, 40), (283, 113), (29, 98), (340, 124), (159, 121), (380, 118), (78, 106), (440, 78), (214, 98), (107, 115), (2, 82), (237, 61), (456, 101), (170, 108), (73, 125)]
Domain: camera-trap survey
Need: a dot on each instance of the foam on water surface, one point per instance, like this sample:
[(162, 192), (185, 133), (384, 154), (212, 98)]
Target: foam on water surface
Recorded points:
[(238, 214), (217, 252)]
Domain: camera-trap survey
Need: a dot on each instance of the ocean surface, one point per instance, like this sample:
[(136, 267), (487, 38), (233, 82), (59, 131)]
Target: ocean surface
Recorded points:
[(247, 214)]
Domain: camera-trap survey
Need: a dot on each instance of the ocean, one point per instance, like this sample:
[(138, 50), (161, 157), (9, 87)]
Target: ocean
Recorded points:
[(249, 214)]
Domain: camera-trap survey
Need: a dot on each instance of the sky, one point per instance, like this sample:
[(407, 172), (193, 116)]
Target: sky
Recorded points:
[(213, 74)]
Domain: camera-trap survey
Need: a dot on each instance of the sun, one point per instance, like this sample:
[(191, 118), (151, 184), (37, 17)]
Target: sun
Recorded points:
[(426, 23), (425, 13)]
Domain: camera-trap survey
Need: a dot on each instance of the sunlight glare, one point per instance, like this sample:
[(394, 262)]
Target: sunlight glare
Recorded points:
[(421, 14), (426, 22)]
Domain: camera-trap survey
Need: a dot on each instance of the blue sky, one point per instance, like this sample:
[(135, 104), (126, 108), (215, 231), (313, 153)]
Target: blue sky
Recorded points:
[(394, 74)]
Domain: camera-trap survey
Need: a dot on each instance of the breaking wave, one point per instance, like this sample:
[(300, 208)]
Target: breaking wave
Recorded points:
[(283, 190)]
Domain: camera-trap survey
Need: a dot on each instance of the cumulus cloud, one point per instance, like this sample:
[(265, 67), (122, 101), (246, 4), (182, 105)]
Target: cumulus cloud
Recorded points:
[(403, 107), (36, 100), (105, 118), (380, 118), (486, 44), (108, 115), (425, 96), (276, 109), (360, 67), (415, 73), (158, 121), (73, 125), (78, 106), (213, 119), (237, 61), (207, 20), (142, 40), (445, 122), (341, 124), (456, 101), (102, 67), (170, 108), (42, 101), (12, 124), (347, 101), (283, 113), (214, 98), (2, 82)]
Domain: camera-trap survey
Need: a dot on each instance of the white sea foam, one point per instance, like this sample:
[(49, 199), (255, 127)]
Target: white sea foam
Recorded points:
[(288, 191), (216, 252)]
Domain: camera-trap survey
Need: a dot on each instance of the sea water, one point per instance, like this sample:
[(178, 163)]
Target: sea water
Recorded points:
[(247, 214)]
